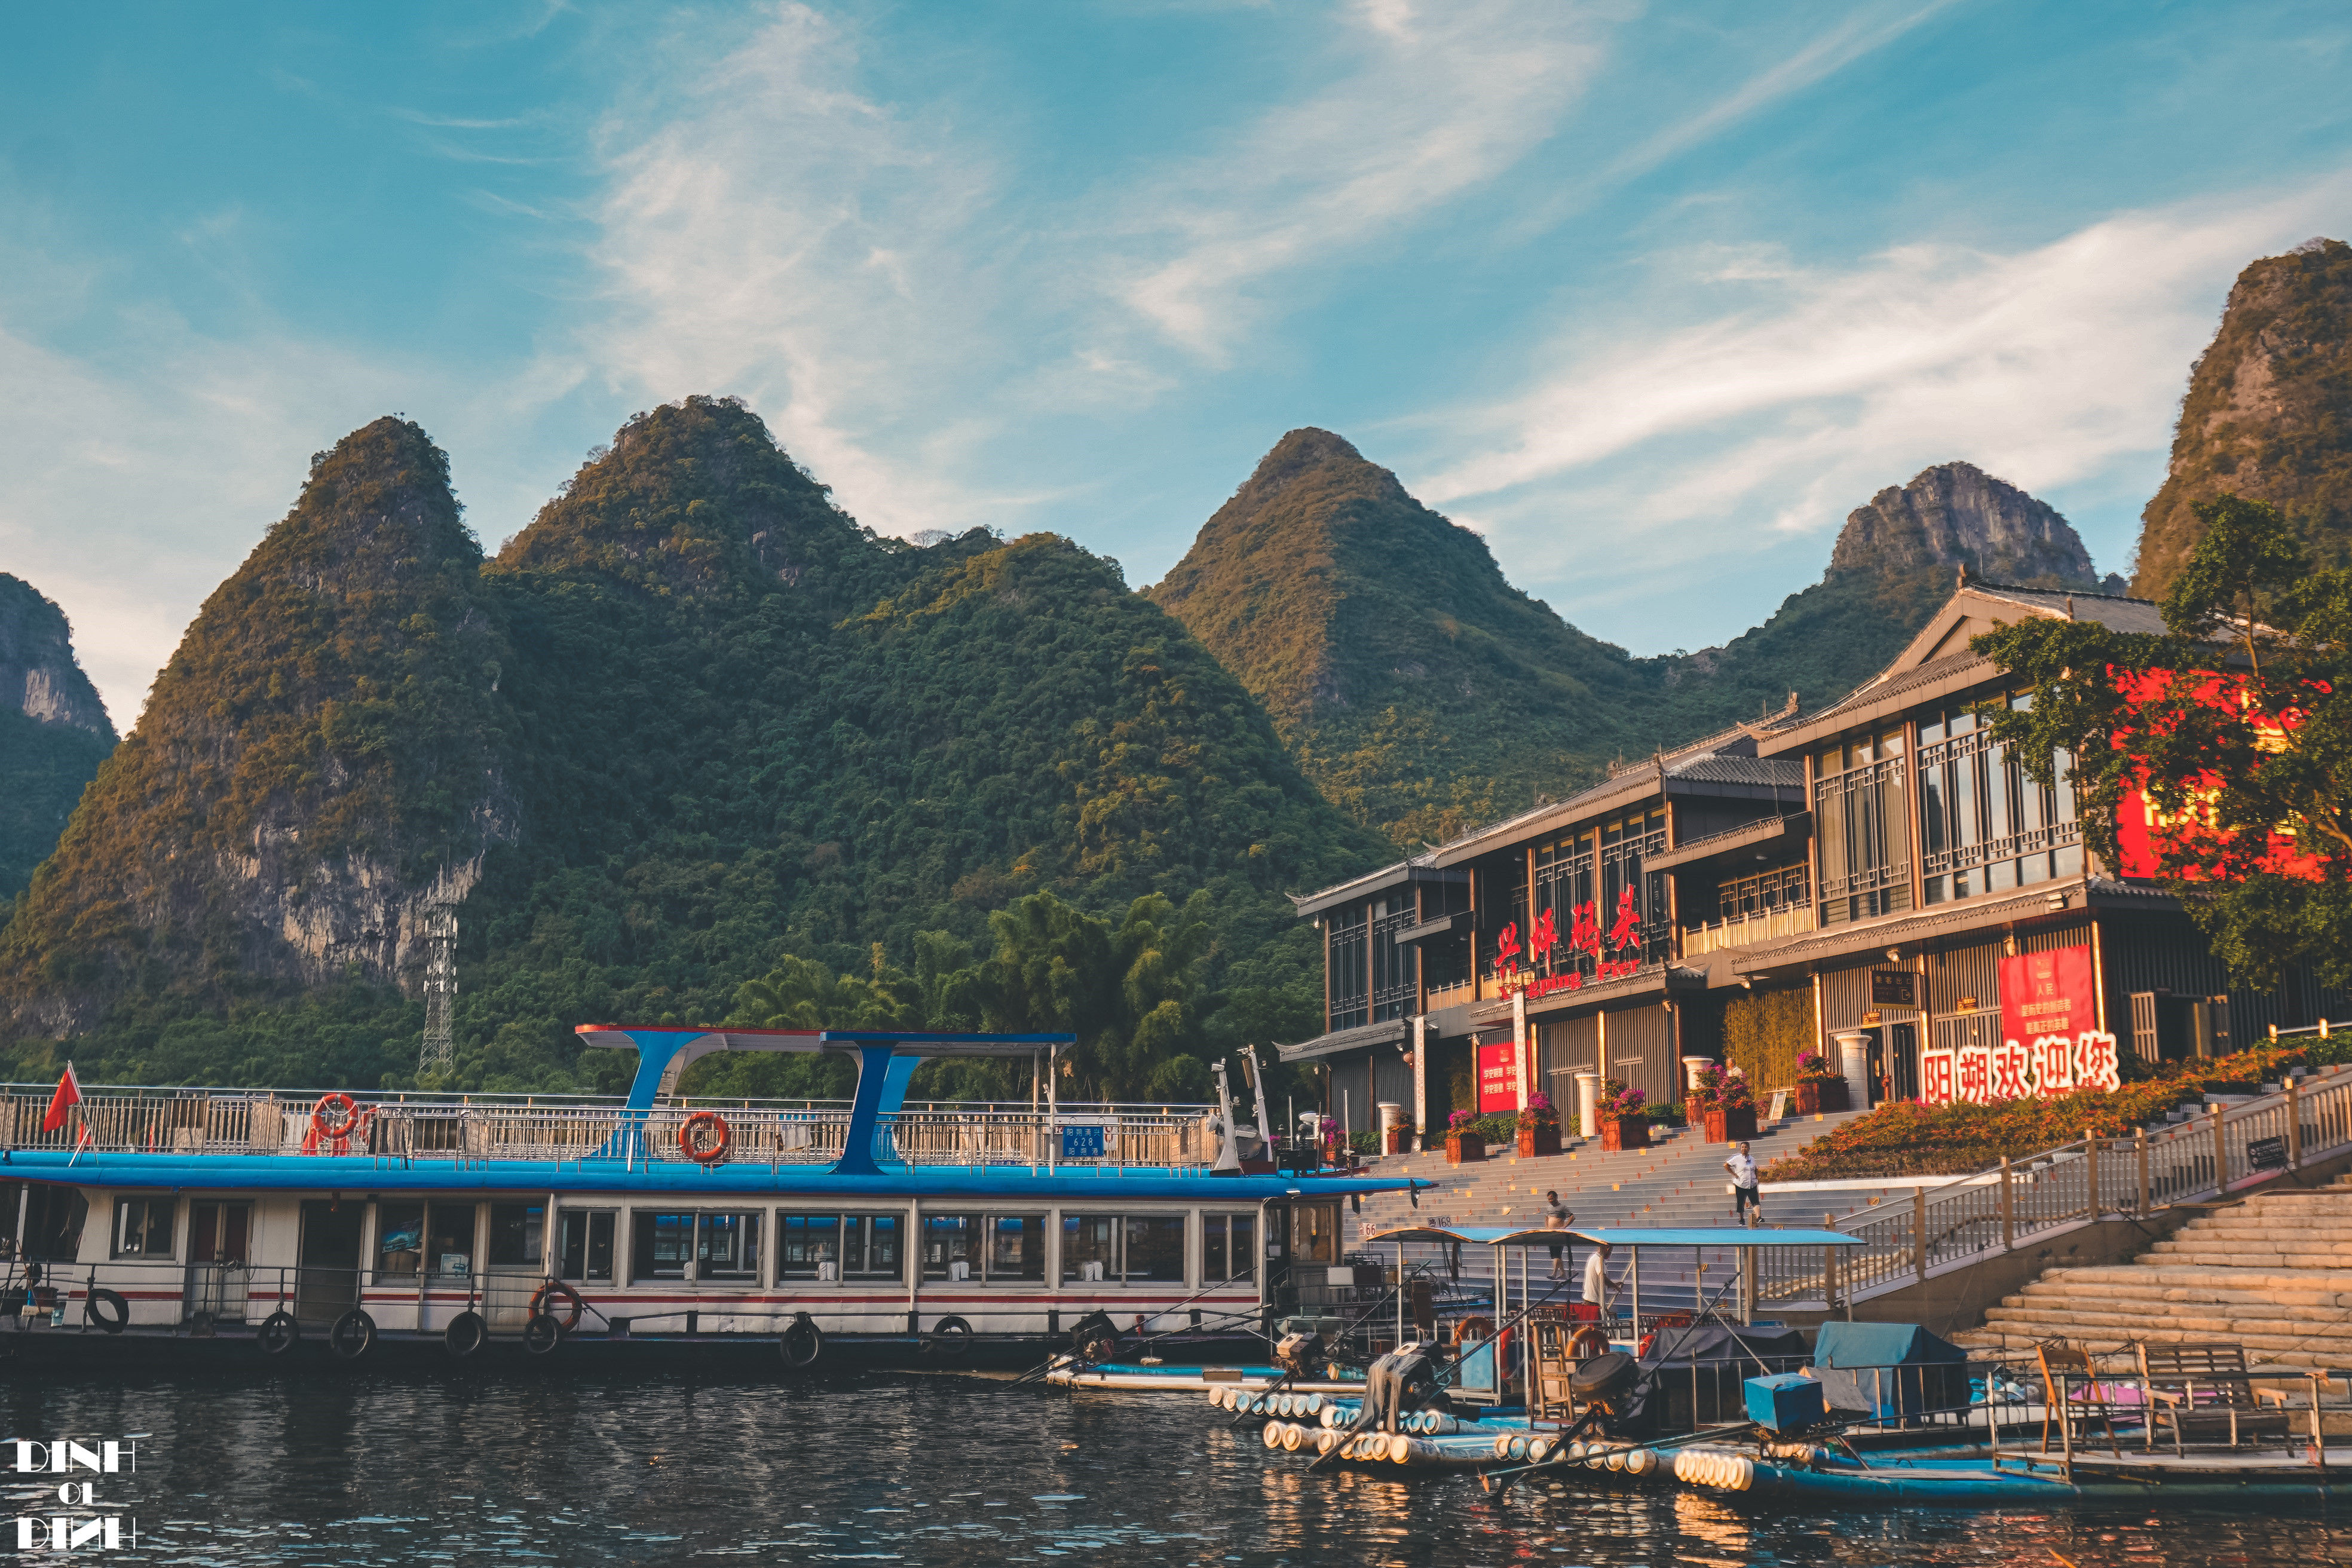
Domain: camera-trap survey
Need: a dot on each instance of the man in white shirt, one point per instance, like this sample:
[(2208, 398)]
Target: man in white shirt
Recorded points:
[(1596, 1280), (1745, 1192)]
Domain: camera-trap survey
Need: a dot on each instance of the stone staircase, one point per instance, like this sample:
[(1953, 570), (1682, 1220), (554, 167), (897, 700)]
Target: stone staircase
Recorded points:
[(1678, 1183), (2272, 1274)]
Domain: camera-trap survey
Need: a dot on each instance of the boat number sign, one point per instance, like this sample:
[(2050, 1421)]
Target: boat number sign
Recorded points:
[(1082, 1143)]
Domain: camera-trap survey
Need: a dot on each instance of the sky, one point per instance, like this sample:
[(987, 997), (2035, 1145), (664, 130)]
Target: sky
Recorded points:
[(1651, 296)]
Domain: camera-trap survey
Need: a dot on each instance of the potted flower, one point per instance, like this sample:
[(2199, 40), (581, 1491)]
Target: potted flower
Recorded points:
[(1726, 1104), (1539, 1126), (1818, 1088), (1462, 1139), (1624, 1118)]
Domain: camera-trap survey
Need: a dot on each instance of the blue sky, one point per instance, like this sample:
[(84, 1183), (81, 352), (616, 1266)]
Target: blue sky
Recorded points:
[(1650, 295)]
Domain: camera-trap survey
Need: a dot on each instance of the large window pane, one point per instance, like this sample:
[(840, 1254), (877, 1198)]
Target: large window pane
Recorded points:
[(872, 1247), (1155, 1248), (399, 1238), (806, 1244), (216, 1231), (661, 1245), (142, 1227), (727, 1246), (1090, 1247), (584, 1246), (515, 1235), (1228, 1247), (950, 1246), (1016, 1247), (449, 1238)]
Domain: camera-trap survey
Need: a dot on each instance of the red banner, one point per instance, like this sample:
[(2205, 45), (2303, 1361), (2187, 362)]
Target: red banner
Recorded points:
[(1498, 1078), (2044, 994)]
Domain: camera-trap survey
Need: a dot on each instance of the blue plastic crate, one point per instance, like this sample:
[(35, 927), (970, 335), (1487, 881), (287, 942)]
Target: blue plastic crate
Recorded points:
[(1788, 1403)]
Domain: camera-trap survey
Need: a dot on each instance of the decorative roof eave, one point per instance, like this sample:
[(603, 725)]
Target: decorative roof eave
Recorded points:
[(1364, 1036), (1732, 966), (1666, 977), (1403, 874), (1769, 830)]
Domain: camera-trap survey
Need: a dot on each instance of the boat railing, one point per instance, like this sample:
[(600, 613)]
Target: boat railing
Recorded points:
[(1974, 1217), (567, 1130)]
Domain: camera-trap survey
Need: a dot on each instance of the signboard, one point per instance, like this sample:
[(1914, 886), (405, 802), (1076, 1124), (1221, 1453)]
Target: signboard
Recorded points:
[(2047, 994), (1082, 1143), (1894, 988), (1499, 1077)]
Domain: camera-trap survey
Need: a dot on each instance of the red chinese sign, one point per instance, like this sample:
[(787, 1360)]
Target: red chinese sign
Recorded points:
[(1499, 1077), (2051, 1040), (2048, 994)]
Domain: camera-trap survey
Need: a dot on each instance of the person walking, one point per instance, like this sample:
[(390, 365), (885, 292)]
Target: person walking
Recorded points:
[(1597, 1287), (1557, 1215), (1746, 1193)]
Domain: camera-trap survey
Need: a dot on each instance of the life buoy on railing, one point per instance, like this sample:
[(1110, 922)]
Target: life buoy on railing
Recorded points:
[(328, 1128), (1589, 1341), (539, 1302), (695, 1146)]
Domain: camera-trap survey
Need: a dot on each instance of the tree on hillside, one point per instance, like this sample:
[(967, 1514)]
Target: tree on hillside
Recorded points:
[(2222, 747)]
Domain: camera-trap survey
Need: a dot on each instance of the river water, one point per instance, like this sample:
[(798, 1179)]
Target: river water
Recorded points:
[(918, 1470)]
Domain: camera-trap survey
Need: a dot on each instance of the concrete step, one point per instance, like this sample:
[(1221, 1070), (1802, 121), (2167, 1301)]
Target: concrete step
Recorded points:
[(2141, 1320)]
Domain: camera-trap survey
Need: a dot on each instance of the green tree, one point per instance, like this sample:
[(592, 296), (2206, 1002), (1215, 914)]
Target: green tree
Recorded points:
[(2235, 721)]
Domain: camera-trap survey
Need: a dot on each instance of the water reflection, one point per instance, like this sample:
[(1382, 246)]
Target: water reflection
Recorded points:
[(948, 1470)]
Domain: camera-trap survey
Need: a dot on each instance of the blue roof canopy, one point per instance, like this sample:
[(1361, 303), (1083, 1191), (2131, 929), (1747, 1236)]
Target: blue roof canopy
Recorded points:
[(1620, 1236)]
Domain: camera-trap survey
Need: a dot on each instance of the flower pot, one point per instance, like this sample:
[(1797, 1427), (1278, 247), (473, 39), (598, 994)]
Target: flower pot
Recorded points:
[(1539, 1140), (1730, 1126), (1464, 1146), (1817, 1095), (1626, 1132)]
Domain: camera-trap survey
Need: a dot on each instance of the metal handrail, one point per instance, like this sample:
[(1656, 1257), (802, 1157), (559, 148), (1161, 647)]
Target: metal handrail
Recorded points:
[(1997, 1209)]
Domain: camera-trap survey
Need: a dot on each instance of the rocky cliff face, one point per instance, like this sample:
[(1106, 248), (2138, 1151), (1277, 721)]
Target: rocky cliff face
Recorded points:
[(39, 674), (1956, 514), (320, 760), (1414, 685), (2268, 415)]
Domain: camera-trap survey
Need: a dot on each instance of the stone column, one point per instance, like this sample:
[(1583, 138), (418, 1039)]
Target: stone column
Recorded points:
[(1853, 1060), (1587, 1105)]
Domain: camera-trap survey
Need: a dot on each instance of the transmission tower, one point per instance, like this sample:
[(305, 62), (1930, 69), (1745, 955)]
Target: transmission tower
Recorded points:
[(440, 987)]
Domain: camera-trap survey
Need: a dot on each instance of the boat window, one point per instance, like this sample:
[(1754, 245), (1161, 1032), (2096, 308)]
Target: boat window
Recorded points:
[(516, 1239), (808, 1245), (12, 1194), (948, 1250), (584, 1243), (449, 1238), (1016, 1247), (661, 1245), (1110, 1249), (1090, 1247), (53, 1220), (1228, 1247), (727, 1246), (870, 1247), (1155, 1248), (1315, 1232), (399, 1238), (217, 1231), (142, 1226)]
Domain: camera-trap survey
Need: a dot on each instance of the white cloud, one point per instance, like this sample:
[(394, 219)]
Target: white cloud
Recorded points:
[(2043, 365)]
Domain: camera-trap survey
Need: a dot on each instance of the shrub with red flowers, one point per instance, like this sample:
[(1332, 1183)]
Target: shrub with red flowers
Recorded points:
[(1618, 1103), (1814, 1068), (1906, 1138), (1539, 1112), (1717, 1090)]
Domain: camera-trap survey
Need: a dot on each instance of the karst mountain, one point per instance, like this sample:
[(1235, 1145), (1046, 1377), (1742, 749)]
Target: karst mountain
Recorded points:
[(54, 731)]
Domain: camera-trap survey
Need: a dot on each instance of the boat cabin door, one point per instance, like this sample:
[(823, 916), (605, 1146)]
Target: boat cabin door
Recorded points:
[(515, 1266), (327, 1285)]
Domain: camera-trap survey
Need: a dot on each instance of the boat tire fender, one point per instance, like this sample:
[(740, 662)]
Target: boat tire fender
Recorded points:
[(465, 1334), (278, 1332), (352, 1336), (950, 1337), (802, 1342), (107, 1309)]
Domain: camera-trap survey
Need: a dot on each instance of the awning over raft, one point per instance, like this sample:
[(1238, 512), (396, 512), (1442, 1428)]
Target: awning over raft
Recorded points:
[(1617, 1235)]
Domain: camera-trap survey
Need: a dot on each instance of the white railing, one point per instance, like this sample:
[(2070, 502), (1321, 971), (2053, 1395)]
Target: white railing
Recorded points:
[(1983, 1215), (569, 1129), (1769, 925)]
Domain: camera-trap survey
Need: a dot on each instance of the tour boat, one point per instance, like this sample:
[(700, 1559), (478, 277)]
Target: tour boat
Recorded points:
[(178, 1223)]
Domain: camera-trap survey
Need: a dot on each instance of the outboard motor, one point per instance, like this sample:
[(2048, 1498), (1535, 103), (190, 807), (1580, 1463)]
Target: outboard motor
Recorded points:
[(1605, 1385), (1298, 1353)]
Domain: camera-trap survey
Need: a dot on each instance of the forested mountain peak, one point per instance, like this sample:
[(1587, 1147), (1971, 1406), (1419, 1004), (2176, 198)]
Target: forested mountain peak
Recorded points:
[(1956, 514), (2268, 415), (693, 498), (320, 756), (39, 675), (1412, 681), (53, 731)]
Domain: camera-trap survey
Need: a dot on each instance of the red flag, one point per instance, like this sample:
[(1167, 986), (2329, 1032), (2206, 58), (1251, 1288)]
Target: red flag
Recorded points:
[(69, 1094)]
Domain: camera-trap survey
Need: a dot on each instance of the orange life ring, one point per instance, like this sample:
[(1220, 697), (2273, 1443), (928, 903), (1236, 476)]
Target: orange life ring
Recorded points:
[(336, 1130), (691, 1144), (557, 1286), (1473, 1329), (1592, 1335)]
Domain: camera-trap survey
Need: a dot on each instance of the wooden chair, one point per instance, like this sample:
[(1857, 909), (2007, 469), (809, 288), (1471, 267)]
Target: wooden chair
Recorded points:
[(2062, 1365), (2205, 1388)]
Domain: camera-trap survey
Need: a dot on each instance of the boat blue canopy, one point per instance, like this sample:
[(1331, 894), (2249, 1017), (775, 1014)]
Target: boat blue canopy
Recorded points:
[(1618, 1235)]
